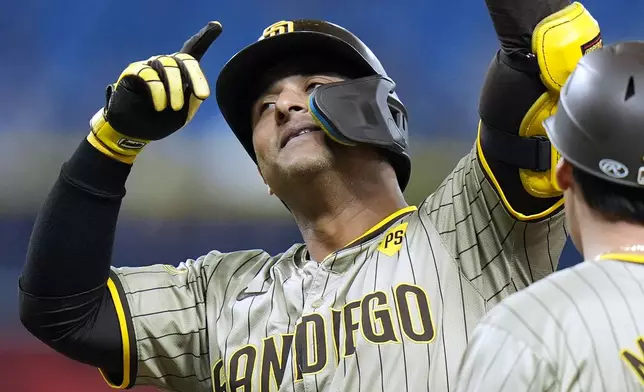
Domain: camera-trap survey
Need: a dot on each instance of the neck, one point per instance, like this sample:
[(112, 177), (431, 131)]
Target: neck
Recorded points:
[(333, 212), (599, 236)]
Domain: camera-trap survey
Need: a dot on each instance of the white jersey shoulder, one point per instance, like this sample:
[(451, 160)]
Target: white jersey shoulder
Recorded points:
[(580, 329)]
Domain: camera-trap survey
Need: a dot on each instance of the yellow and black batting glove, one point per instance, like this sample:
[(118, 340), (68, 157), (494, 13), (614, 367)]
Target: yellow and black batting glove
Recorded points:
[(153, 99)]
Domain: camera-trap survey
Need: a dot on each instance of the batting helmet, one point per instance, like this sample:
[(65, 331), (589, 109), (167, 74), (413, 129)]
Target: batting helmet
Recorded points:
[(363, 109), (599, 124)]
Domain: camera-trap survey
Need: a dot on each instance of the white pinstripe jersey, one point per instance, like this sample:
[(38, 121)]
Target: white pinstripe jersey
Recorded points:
[(392, 312), (580, 329)]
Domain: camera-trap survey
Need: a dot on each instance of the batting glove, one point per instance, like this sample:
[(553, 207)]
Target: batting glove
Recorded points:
[(153, 99)]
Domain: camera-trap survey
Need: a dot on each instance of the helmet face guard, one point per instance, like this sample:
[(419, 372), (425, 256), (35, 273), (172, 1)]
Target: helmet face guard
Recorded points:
[(363, 110)]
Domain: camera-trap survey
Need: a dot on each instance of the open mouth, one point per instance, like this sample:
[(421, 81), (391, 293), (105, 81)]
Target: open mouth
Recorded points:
[(298, 133)]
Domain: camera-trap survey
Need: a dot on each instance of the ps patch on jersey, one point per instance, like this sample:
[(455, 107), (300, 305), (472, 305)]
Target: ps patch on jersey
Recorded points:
[(393, 240)]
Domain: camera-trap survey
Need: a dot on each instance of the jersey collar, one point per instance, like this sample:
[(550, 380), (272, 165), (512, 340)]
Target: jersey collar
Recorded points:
[(381, 226), (374, 231)]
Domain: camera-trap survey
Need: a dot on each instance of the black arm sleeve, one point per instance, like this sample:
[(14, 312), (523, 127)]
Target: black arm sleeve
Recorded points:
[(512, 85), (64, 299)]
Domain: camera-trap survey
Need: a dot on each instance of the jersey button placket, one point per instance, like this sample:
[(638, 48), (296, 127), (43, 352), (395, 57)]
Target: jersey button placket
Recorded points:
[(313, 297), (313, 301)]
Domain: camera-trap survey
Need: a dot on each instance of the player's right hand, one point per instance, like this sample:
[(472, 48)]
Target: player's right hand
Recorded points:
[(153, 99)]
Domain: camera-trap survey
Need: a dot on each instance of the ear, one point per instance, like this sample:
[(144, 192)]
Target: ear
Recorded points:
[(564, 174), (270, 191)]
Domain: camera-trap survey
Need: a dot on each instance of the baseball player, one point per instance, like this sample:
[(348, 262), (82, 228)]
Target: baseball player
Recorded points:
[(380, 296), (582, 329)]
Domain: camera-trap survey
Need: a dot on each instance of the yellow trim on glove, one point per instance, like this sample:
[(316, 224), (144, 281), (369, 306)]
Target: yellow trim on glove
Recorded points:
[(198, 81), (113, 143), (143, 71)]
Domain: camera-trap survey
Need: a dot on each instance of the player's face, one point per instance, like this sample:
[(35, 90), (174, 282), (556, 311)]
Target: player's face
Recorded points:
[(286, 139)]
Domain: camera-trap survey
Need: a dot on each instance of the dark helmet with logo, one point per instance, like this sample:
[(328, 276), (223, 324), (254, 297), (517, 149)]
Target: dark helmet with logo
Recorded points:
[(599, 124), (362, 109)]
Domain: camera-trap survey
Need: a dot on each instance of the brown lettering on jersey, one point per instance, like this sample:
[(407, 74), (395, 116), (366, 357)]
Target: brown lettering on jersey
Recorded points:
[(336, 322), (351, 326), (241, 367), (218, 377), (372, 315), (377, 321), (310, 345), (636, 360), (393, 240), (410, 296), (274, 363)]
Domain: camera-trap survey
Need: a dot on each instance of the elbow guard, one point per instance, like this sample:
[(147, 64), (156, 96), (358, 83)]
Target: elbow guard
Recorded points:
[(530, 84), (559, 42)]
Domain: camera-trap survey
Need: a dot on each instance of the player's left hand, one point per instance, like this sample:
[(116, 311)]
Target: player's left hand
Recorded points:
[(153, 98)]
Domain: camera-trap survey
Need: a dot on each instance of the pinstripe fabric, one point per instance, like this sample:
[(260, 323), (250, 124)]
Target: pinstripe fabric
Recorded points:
[(391, 313), (580, 329)]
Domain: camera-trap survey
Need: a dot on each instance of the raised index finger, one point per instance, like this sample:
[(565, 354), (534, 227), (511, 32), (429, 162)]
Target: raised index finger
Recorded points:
[(199, 43)]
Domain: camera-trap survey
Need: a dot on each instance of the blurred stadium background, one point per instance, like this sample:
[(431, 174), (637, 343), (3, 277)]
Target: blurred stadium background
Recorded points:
[(198, 190)]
